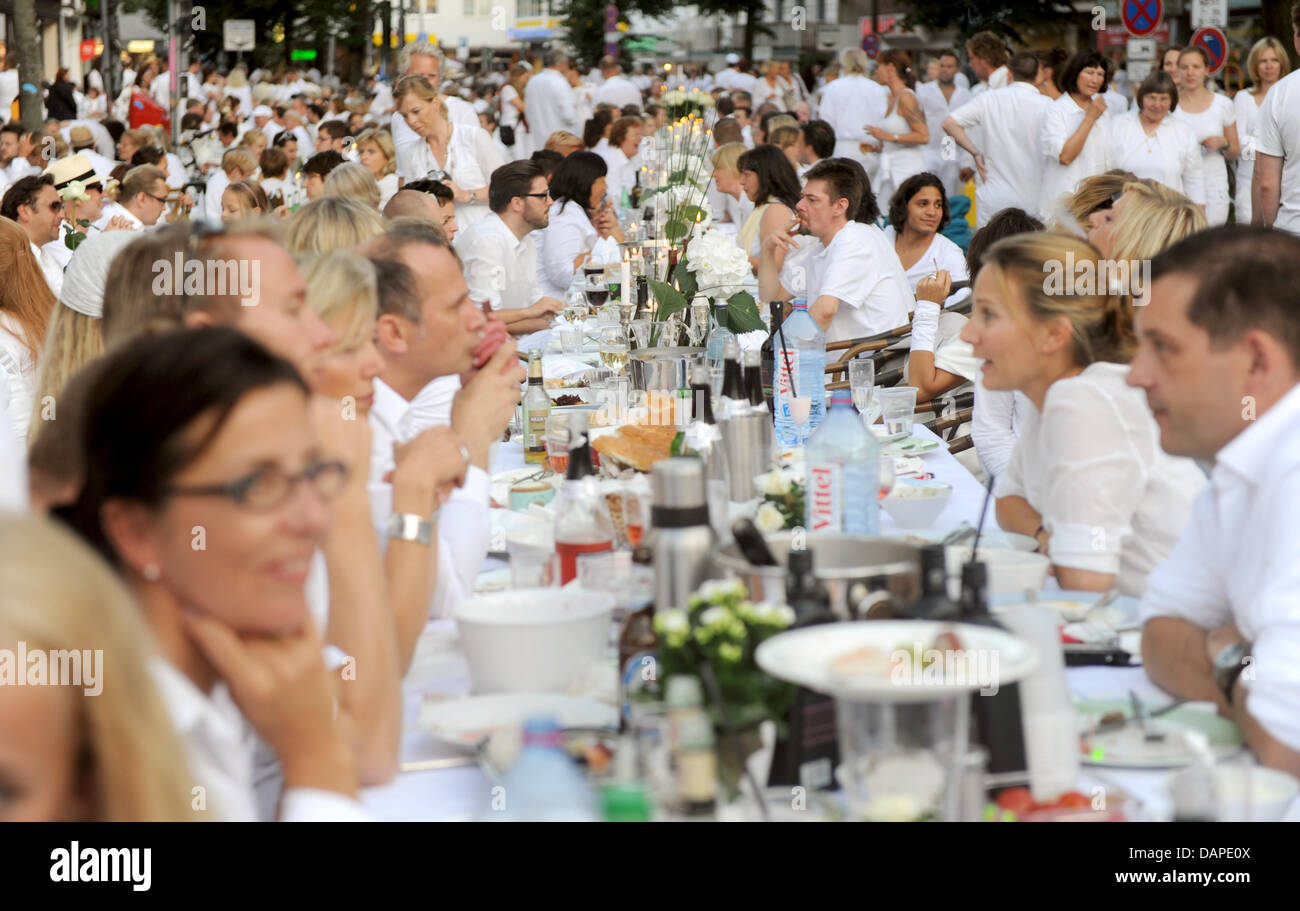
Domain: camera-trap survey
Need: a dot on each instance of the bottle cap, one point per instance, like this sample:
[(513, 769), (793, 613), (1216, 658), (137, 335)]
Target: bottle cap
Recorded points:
[(800, 304), (974, 575), (678, 483)]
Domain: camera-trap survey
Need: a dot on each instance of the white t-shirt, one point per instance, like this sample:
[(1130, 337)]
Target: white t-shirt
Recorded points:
[(1211, 122), (1278, 132), (618, 91), (1011, 122), (861, 270), (1091, 465)]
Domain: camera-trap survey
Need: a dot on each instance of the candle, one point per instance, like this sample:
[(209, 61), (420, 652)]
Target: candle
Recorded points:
[(626, 286)]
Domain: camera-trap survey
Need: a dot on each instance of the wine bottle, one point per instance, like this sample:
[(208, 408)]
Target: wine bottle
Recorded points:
[(777, 310), (752, 544), (934, 603)]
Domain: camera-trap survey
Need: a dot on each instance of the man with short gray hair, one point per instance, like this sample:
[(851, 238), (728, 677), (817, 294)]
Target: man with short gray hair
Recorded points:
[(549, 103), (422, 58), (617, 89)]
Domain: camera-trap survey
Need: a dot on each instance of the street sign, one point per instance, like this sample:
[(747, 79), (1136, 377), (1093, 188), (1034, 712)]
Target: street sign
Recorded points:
[(1142, 17), (1209, 13), (1138, 70), (1141, 49), (1214, 43), (91, 48), (871, 44), (239, 34), (302, 54)]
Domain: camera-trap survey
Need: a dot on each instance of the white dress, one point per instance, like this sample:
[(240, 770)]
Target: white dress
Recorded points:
[(898, 161), (1212, 122), (1247, 112)]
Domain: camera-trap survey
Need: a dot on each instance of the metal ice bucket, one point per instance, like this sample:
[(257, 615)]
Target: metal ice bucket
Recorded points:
[(860, 572), (662, 369)]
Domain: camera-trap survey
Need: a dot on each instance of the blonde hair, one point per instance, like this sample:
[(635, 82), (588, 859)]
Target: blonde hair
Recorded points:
[(1153, 219), (853, 60), (56, 594), (1101, 324), (342, 283), (563, 139), (726, 157), (353, 180), (784, 136), (250, 138), (1096, 192), (239, 158), (421, 88), (1257, 50), (331, 223), (383, 141), (72, 341)]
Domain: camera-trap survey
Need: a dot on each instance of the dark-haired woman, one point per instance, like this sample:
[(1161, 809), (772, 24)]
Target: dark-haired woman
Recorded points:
[(918, 212), (1088, 478), (770, 182), (1075, 128), (903, 133), (580, 215)]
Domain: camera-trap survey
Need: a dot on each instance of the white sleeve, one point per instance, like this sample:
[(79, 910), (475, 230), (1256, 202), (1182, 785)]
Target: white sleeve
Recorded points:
[(564, 242), (488, 155), (484, 271), (1011, 482), (315, 805), (991, 428), (463, 537), (970, 114), (1185, 585), (1193, 169), (1268, 131), (13, 461), (1052, 133)]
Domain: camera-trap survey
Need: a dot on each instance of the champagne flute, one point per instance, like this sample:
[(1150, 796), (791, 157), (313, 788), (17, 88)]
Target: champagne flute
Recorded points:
[(699, 328), (862, 376), (613, 349)]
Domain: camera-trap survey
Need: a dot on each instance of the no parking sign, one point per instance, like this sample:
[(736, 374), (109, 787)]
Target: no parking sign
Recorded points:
[(1214, 43), (871, 44), (1141, 17)]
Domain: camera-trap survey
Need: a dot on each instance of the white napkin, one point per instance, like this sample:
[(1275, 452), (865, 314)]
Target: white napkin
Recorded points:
[(605, 251), (558, 367)]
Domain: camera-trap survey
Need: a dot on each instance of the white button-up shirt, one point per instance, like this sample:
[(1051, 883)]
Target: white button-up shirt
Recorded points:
[(471, 159), (50, 268), (463, 526), (550, 106), (1061, 120), (499, 267), (1171, 156), (219, 750), (1010, 121), (1091, 464), (1238, 561)]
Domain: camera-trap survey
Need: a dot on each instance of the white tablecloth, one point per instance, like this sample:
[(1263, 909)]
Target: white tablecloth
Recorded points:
[(462, 793)]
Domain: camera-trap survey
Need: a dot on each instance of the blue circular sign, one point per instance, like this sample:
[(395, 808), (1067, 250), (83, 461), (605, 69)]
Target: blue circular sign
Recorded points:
[(1213, 42), (1141, 17), (871, 44)]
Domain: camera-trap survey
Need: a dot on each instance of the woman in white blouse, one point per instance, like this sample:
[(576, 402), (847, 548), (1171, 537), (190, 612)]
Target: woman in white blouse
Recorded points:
[(1150, 143), (1088, 478), (1268, 62), (1213, 121), (1074, 128), (580, 214), (461, 155), (375, 150)]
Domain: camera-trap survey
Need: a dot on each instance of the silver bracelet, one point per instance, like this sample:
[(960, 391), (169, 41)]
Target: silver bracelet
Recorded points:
[(406, 526)]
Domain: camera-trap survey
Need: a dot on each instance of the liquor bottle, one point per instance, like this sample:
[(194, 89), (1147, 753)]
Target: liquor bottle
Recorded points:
[(752, 377), (843, 461), (805, 594), (934, 603), (693, 748), (735, 400), (766, 353), (751, 543), (582, 522), (537, 408), (999, 726)]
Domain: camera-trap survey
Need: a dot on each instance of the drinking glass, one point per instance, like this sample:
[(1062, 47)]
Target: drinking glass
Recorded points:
[(534, 570), (898, 406), (887, 474), (597, 292), (571, 338), (699, 328), (613, 348), (867, 402), (557, 441), (862, 376), (641, 332)]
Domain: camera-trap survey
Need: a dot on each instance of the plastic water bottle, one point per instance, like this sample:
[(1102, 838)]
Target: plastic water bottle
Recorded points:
[(801, 347), (843, 461), (545, 785), (715, 348)]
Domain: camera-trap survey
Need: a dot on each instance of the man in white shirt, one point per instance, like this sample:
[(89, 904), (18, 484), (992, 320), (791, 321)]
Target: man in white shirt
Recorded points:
[(617, 89), (499, 257), (852, 278), (816, 142), (939, 99), (81, 138), (142, 197), (35, 205), (1275, 183), (1009, 119), (429, 329), (733, 77), (420, 58), (549, 103), (1219, 359), (988, 58)]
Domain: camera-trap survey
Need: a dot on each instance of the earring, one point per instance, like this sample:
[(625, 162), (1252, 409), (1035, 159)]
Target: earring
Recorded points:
[(151, 572)]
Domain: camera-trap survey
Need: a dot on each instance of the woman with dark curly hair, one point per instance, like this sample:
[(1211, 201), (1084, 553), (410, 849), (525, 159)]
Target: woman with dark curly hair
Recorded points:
[(917, 213)]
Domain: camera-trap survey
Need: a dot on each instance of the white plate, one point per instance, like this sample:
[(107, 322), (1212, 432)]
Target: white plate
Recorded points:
[(502, 481), (806, 657), (467, 722), (1128, 748), (1071, 606)]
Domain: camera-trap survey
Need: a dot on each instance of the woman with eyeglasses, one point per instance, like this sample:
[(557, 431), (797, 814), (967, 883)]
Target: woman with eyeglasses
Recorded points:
[(210, 504), (26, 306), (461, 155)]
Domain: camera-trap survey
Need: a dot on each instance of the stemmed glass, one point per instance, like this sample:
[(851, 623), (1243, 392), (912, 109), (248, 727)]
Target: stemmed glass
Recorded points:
[(613, 349), (575, 307), (640, 329), (862, 378)]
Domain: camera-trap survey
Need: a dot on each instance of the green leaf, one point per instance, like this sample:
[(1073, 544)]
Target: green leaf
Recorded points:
[(685, 279), (691, 213), (742, 313), (677, 228), (670, 300)]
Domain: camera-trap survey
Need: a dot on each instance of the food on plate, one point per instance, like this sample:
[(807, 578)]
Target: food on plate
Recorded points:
[(917, 491), (861, 661), (568, 382), (637, 446), (1018, 804), (908, 656), (563, 400)]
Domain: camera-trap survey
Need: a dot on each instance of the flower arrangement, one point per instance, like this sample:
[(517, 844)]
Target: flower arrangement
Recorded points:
[(684, 103), (722, 628), (782, 504), (720, 267), (72, 194)]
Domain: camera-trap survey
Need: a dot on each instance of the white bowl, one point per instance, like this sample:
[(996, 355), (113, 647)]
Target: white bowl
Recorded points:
[(1271, 793), (1009, 571), (916, 504), (534, 640)]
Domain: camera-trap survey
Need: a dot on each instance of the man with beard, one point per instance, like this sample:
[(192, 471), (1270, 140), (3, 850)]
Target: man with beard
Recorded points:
[(938, 100), (500, 258)]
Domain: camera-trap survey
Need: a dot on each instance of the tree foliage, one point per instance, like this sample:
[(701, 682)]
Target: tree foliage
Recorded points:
[(1002, 17)]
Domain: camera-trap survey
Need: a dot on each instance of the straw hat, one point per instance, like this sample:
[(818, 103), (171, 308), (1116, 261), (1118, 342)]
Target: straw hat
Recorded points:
[(73, 167)]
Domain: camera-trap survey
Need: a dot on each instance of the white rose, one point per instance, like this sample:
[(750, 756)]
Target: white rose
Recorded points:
[(771, 483), (769, 518)]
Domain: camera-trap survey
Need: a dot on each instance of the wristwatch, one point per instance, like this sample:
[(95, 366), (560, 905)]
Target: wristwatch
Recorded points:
[(1227, 667), (406, 526)]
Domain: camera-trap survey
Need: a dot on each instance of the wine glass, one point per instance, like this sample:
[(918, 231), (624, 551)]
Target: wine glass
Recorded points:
[(800, 411), (613, 349), (575, 307), (862, 376), (597, 293)]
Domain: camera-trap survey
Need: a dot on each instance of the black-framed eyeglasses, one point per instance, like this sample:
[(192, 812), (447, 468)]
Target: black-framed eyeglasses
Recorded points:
[(161, 199), (546, 195), (56, 206), (270, 487)]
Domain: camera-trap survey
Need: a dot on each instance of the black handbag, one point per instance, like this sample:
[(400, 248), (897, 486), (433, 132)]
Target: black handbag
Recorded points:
[(507, 135)]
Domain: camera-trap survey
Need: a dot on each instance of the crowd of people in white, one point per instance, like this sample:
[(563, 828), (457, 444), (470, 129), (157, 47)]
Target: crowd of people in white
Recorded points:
[(395, 239)]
